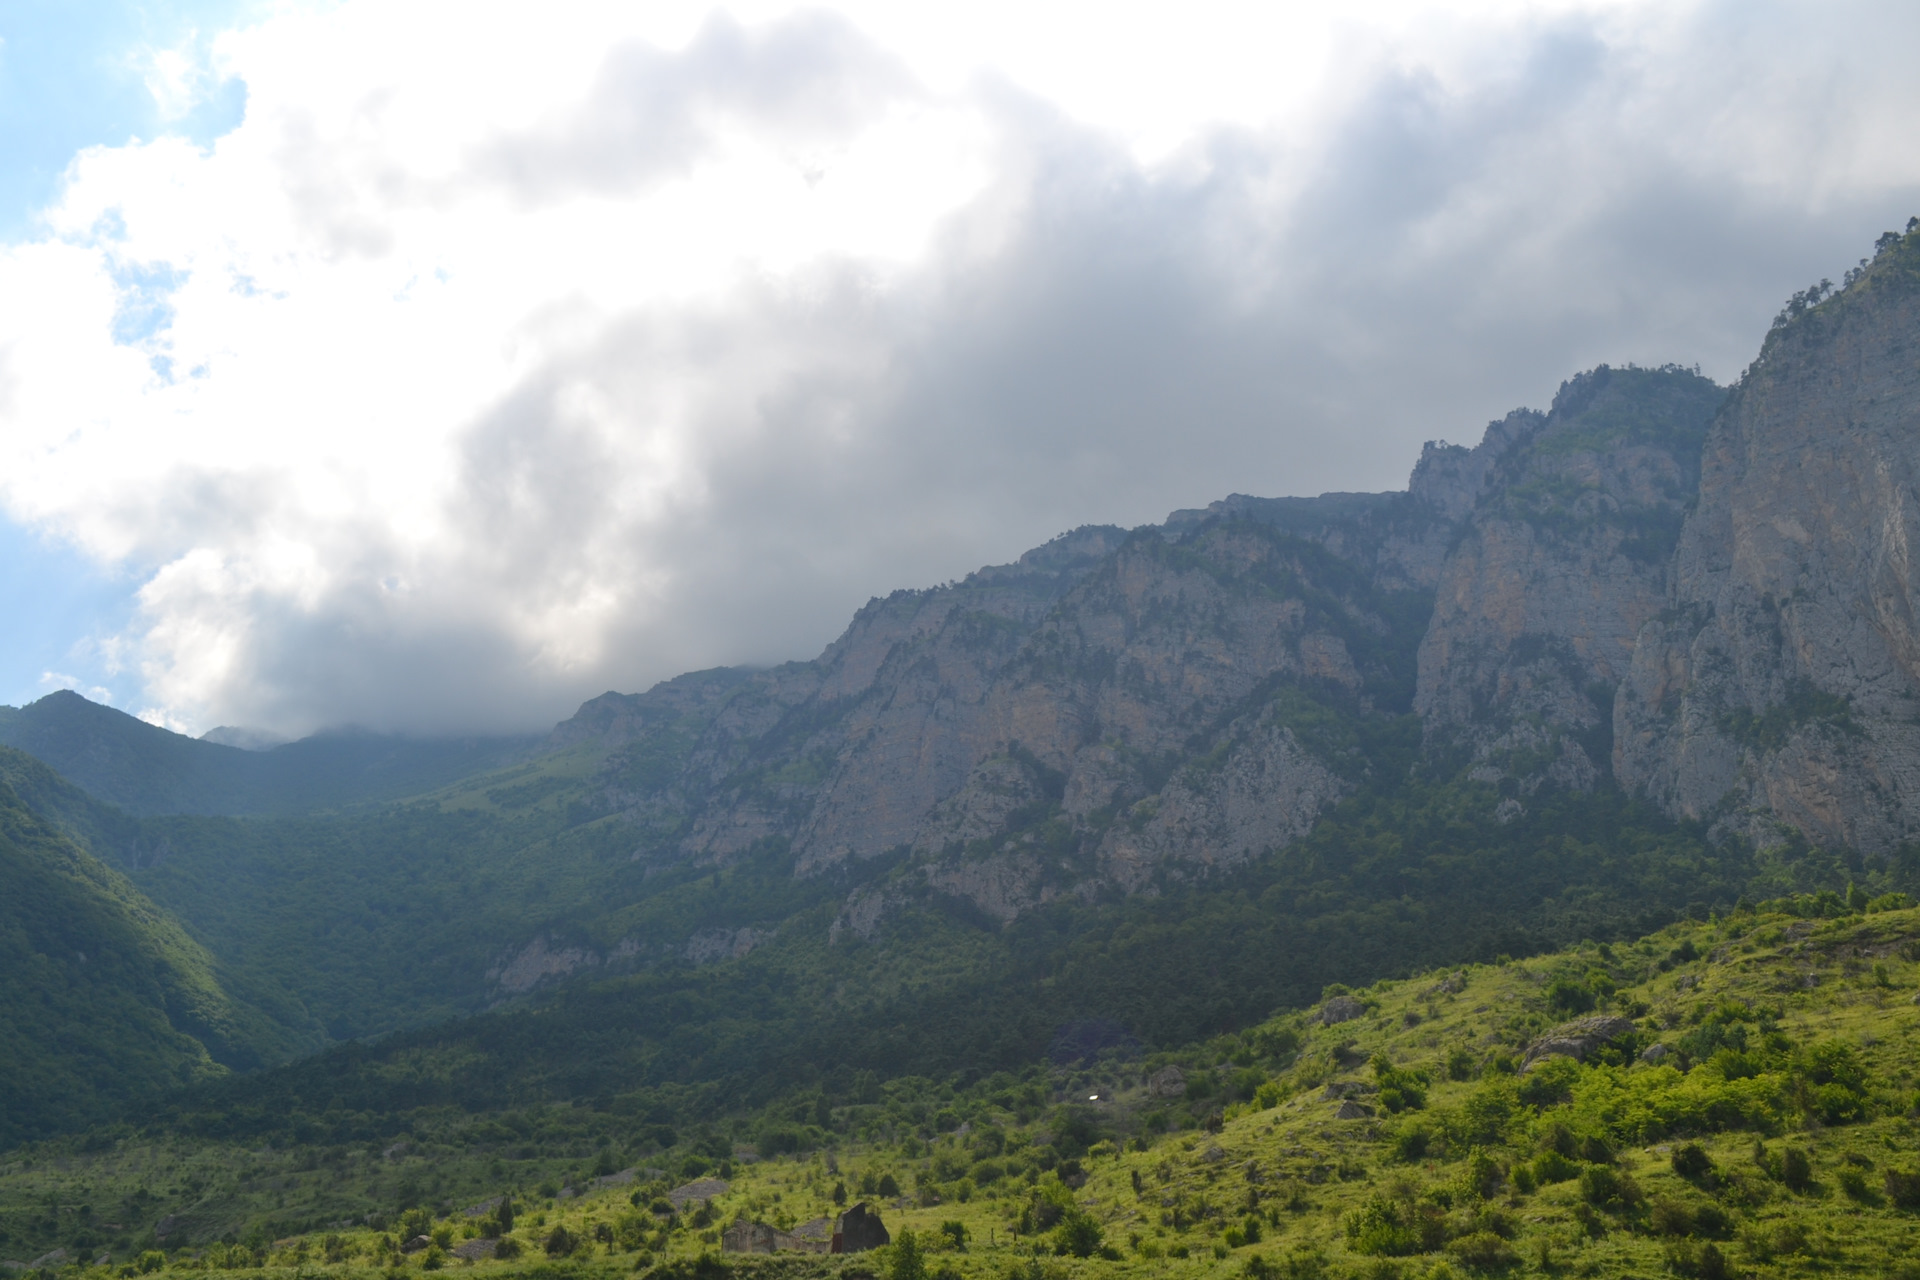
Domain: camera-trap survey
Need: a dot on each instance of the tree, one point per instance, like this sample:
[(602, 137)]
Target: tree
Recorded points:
[(907, 1262)]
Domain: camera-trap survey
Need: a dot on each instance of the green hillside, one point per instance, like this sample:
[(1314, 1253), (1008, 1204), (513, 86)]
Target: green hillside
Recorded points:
[(1399, 1129), (145, 769), (107, 1002)]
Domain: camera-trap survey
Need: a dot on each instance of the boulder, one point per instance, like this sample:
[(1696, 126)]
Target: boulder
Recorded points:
[(1167, 1082), (1340, 1009), (474, 1250), (858, 1230), (416, 1244), (1579, 1038), (1351, 1110), (1655, 1053)]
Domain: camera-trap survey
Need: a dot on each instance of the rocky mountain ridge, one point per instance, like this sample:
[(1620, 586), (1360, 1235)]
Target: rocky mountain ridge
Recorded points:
[(1120, 707)]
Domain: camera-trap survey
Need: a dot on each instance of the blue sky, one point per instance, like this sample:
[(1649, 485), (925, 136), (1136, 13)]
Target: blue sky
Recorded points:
[(72, 77)]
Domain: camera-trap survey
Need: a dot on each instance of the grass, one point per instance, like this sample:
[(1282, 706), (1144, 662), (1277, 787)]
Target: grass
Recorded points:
[(1267, 1148)]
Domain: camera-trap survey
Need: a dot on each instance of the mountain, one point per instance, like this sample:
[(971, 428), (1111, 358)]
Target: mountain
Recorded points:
[(1139, 785), (1778, 692), (145, 769), (107, 1003)]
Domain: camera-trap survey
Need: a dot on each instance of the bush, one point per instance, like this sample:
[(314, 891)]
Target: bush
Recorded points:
[(1903, 1188), (906, 1262), (1608, 1188), (149, 1262), (1569, 996), (1382, 1227), (561, 1242), (1483, 1251), (1692, 1162), (1550, 1166), (1078, 1236), (1703, 1261), (1411, 1143), (1795, 1169)]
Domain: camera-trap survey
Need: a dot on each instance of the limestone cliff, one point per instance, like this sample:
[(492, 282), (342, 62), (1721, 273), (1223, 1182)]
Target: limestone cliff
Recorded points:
[(1563, 560), (1781, 684)]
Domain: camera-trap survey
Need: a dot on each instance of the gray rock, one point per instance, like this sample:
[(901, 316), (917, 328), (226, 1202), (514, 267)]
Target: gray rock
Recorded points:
[(1579, 1038), (1351, 1110), (475, 1250), (1655, 1053), (699, 1189), (1340, 1009), (1562, 563), (1167, 1082), (858, 1230)]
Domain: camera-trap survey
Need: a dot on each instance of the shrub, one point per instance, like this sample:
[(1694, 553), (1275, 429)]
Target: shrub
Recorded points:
[(1550, 1166), (1795, 1169), (561, 1242), (1837, 1104), (1854, 1183), (1607, 1188), (1704, 1261), (1569, 996), (149, 1262), (906, 1263), (1382, 1227), (1692, 1162), (1483, 1251), (1671, 1218), (956, 1234), (1903, 1188), (1078, 1235), (1550, 1082)]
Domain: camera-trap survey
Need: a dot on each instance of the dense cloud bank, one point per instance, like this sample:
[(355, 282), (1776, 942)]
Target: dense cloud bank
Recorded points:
[(483, 369)]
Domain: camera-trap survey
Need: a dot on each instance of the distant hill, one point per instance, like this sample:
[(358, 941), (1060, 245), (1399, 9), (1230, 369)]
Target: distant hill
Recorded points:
[(107, 1002), (145, 769)]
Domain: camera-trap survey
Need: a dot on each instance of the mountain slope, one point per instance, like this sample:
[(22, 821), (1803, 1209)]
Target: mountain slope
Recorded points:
[(1726, 1097), (144, 769), (106, 1003)]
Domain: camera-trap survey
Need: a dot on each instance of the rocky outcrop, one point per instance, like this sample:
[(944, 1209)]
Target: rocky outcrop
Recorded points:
[(1780, 687), (1579, 1038), (1340, 1009), (1257, 792), (1563, 561), (536, 963)]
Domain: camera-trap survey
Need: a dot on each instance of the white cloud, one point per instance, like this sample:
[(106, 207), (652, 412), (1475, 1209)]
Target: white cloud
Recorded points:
[(504, 355)]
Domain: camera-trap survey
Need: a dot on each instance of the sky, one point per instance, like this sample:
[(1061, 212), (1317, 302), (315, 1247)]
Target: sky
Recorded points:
[(430, 367)]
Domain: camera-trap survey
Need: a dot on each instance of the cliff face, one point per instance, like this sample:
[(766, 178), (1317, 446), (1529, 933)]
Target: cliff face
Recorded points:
[(1112, 707), (1122, 709), (1563, 560), (1782, 683)]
